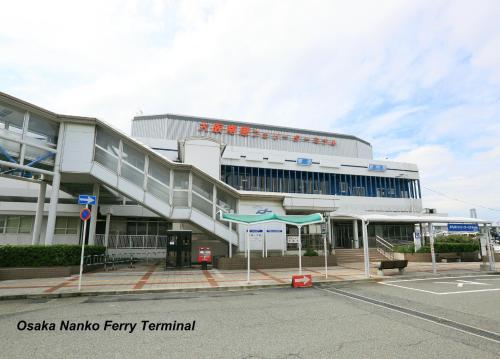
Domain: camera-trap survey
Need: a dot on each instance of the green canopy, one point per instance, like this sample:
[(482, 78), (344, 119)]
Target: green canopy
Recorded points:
[(297, 220)]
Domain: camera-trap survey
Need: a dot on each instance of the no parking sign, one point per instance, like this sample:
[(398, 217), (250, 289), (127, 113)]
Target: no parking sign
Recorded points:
[(85, 214)]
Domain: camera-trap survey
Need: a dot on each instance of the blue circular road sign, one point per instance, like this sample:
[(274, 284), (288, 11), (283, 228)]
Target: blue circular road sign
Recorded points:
[(85, 214)]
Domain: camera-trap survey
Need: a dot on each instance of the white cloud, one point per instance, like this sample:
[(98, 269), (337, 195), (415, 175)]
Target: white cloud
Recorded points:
[(429, 71)]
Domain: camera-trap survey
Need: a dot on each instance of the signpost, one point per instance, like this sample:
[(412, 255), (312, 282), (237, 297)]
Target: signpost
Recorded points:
[(87, 199), (84, 216)]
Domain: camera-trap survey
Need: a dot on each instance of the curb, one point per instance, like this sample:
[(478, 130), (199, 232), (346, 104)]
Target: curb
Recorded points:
[(167, 290), (317, 283)]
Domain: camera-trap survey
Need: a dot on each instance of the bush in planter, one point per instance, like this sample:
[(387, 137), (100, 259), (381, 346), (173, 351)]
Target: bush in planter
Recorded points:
[(440, 247), (45, 256), (408, 248), (310, 253), (455, 238), (446, 247)]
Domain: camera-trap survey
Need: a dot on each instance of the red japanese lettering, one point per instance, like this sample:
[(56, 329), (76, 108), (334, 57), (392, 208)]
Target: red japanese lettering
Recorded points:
[(231, 129), (203, 126), (217, 127), (244, 131)]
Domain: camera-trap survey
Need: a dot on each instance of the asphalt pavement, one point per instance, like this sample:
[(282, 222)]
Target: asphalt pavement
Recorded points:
[(391, 319)]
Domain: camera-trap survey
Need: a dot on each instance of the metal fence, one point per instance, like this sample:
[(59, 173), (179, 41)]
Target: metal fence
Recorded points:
[(132, 241)]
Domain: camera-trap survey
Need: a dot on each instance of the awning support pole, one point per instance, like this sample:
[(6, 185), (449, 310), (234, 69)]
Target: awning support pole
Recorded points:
[(366, 251), (248, 253), (433, 253), (300, 250), (326, 255)]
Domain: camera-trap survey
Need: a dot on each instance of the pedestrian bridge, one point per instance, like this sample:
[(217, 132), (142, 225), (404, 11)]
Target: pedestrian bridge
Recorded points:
[(86, 155)]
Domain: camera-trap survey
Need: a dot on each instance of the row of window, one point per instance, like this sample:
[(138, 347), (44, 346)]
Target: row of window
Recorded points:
[(289, 181), (24, 225)]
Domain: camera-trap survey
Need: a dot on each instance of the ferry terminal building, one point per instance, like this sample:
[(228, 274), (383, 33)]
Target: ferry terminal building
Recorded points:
[(175, 173)]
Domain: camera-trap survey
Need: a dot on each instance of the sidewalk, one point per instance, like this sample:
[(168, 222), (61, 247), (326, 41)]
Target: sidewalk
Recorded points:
[(152, 277)]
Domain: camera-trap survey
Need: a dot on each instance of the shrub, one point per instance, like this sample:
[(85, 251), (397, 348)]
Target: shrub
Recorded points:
[(445, 247), (440, 247), (455, 238), (424, 249), (41, 256), (408, 248), (310, 252)]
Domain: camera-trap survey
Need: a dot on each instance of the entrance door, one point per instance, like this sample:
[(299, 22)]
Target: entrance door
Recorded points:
[(178, 249), (343, 235)]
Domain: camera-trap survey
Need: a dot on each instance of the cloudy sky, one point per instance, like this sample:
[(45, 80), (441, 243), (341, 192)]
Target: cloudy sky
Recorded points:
[(420, 80)]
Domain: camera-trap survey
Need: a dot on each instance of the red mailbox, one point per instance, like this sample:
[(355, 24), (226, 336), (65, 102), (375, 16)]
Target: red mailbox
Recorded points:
[(204, 256), (302, 281)]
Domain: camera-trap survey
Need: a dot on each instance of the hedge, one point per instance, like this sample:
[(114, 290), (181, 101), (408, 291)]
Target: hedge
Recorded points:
[(455, 238), (45, 256), (440, 247), (450, 248)]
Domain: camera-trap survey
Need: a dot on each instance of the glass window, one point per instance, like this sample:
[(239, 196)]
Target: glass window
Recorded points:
[(108, 141), (181, 180), (202, 187), (11, 120), (43, 129), (159, 172), (67, 225), (12, 225), (133, 156), (225, 201)]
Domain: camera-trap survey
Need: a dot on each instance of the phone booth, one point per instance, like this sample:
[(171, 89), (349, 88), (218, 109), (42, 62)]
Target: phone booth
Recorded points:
[(204, 256), (178, 249)]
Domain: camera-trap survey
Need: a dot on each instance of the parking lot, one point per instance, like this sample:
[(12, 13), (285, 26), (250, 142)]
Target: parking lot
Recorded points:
[(389, 319)]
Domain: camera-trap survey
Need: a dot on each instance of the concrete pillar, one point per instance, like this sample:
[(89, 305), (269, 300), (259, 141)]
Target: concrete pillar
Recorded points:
[(355, 233), (106, 230), (433, 253), (51, 219), (54, 195), (332, 235), (39, 213), (93, 214), (365, 248)]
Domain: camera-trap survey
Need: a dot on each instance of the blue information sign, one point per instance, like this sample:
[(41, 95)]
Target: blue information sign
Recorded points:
[(463, 227), (376, 168), (86, 199), (304, 161)]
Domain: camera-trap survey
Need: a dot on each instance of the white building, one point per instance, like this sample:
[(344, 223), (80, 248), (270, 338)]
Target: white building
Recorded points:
[(176, 172)]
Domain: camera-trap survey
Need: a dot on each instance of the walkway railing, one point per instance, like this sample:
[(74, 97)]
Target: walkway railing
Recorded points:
[(384, 247), (120, 241)]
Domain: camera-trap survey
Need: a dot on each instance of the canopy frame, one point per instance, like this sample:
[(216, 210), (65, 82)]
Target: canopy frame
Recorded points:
[(273, 218)]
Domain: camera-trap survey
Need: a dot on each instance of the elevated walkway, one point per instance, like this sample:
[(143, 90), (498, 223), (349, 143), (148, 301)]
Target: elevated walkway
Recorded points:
[(76, 153)]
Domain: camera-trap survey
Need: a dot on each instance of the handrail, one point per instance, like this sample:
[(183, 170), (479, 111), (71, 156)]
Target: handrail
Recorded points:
[(388, 248), (135, 241)]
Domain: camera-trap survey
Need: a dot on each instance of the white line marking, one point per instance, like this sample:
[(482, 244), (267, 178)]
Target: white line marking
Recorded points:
[(434, 278), (415, 316), (410, 288), (471, 282), (470, 291)]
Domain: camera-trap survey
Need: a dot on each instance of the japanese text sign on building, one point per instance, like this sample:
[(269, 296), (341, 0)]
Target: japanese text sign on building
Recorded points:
[(463, 227), (246, 131)]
